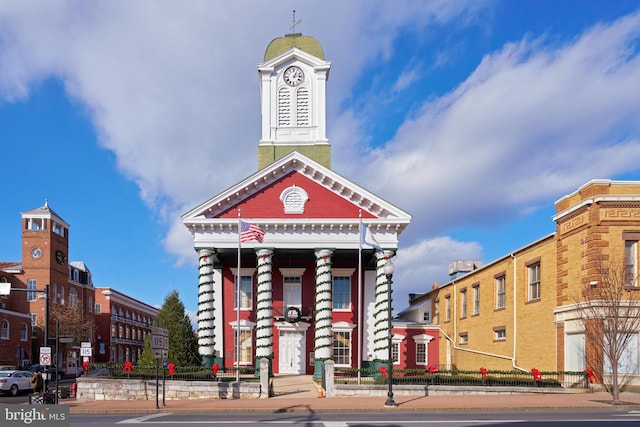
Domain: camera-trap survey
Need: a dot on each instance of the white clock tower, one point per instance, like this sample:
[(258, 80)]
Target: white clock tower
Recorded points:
[(293, 80)]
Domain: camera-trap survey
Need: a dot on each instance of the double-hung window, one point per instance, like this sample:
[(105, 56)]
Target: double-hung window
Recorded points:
[(501, 292), (631, 263), (31, 289), (534, 280), (341, 294), (476, 299), (245, 281)]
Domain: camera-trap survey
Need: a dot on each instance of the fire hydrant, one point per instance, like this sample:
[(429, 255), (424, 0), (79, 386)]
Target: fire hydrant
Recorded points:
[(74, 389)]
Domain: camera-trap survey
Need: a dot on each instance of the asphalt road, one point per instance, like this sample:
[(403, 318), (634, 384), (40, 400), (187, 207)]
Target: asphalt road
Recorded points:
[(547, 418)]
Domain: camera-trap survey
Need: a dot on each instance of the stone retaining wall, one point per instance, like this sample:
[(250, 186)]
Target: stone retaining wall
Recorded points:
[(136, 389)]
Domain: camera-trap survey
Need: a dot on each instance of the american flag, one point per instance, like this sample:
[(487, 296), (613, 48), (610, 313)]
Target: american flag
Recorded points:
[(249, 232)]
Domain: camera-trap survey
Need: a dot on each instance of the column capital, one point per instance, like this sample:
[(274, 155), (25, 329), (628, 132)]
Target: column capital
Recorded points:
[(323, 252), (386, 254), (264, 252)]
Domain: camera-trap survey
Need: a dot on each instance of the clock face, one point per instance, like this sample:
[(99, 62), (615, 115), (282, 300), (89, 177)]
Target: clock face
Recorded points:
[(293, 76), (60, 257), (36, 252)]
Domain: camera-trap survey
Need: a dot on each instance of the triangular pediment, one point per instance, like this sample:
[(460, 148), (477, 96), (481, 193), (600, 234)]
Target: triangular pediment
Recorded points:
[(296, 193), (259, 195)]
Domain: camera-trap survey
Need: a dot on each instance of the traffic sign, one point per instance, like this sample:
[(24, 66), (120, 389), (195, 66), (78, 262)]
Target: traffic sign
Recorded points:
[(160, 354), (160, 339), (45, 359), (85, 351)]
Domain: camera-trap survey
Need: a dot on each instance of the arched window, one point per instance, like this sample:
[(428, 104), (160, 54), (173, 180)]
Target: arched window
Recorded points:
[(73, 298), (24, 332), (4, 330)]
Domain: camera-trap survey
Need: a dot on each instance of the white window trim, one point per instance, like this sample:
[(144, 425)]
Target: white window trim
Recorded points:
[(2, 329), (397, 339), (423, 339), (245, 325), (343, 272), (345, 327), (243, 272)]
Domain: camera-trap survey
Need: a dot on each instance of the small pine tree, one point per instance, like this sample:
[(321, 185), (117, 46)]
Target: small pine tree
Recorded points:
[(183, 345)]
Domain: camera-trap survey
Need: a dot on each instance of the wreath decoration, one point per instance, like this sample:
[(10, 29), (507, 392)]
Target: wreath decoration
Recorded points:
[(293, 314)]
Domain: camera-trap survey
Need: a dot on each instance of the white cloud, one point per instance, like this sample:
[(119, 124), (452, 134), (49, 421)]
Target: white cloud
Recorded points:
[(428, 258), (172, 90), (530, 123)]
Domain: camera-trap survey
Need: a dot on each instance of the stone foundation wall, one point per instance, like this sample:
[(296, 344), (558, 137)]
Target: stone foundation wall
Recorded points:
[(136, 389), (344, 390)]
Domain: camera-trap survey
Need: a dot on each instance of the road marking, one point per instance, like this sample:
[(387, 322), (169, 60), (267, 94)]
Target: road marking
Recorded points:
[(142, 420)]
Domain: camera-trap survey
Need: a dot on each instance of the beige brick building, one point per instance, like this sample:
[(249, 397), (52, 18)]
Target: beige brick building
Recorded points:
[(519, 311)]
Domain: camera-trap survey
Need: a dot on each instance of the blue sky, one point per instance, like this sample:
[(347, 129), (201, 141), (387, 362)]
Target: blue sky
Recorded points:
[(474, 116)]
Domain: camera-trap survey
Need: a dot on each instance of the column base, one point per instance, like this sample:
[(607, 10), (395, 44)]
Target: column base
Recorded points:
[(258, 359), (209, 361), (318, 370)]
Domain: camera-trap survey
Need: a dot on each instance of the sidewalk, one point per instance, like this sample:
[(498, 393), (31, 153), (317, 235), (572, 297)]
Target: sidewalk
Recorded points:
[(298, 394)]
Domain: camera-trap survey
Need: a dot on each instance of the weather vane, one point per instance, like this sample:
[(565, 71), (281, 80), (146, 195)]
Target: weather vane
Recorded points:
[(294, 22)]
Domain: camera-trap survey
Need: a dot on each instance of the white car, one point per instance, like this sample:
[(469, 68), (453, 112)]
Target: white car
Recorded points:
[(13, 382)]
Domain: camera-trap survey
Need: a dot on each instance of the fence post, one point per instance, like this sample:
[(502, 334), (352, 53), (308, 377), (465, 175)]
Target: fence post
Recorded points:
[(329, 378), (264, 378)]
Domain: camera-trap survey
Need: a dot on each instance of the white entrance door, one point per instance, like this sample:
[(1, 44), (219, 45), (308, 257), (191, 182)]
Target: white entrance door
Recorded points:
[(292, 351)]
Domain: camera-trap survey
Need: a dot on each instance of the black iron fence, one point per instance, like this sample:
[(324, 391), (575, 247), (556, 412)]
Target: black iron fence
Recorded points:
[(185, 373), (564, 379)]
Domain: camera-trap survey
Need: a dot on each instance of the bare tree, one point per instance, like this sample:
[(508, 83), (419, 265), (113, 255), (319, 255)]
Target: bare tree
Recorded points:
[(609, 311), (72, 322)]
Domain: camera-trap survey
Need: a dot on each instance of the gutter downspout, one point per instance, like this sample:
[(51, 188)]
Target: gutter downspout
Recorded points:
[(455, 346), (515, 317)]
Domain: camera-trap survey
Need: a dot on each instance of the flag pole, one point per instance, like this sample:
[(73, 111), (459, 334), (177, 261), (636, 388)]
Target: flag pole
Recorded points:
[(360, 330), (238, 302)]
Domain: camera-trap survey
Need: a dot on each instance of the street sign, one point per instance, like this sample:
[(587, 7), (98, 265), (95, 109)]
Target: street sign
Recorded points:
[(65, 339), (45, 350), (85, 344), (160, 339), (45, 359), (160, 354)]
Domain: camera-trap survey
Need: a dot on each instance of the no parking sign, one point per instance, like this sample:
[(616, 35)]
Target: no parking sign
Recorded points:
[(45, 355)]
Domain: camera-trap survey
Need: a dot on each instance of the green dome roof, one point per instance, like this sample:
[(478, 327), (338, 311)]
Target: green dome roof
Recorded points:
[(282, 44)]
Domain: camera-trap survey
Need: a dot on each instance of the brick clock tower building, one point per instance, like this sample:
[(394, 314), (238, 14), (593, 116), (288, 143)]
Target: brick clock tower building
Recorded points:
[(309, 291), (45, 264)]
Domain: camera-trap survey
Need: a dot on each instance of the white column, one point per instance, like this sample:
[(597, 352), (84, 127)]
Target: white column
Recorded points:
[(264, 305), (381, 313), (323, 335), (206, 328)]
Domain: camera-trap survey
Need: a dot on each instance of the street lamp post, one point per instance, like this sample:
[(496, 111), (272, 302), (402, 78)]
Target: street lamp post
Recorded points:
[(388, 269)]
